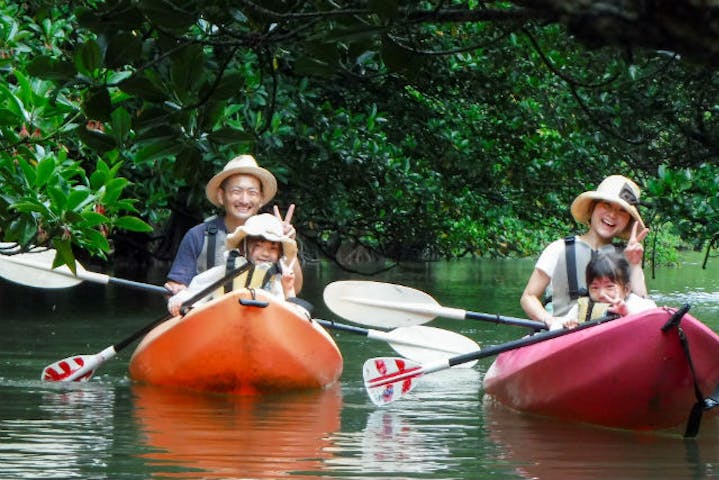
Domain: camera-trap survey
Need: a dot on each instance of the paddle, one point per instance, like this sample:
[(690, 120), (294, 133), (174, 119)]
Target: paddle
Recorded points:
[(390, 378), (34, 269), (82, 367), (380, 304), (420, 343)]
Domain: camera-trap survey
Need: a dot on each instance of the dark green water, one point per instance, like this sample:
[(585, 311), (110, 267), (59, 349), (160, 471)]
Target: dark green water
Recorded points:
[(110, 428)]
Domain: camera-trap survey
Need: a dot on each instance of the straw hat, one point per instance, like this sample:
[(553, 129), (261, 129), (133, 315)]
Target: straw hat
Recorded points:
[(615, 189), (266, 226), (243, 164)]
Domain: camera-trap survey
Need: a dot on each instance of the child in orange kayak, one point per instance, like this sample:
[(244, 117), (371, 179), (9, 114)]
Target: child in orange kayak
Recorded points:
[(271, 253), (609, 291)]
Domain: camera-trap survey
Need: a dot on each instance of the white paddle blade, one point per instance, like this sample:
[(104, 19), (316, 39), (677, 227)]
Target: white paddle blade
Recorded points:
[(430, 344), (34, 269), (389, 378), (370, 303), (78, 368)]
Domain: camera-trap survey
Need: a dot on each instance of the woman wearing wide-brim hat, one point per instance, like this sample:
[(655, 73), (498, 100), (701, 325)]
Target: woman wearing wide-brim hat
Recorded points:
[(609, 212), (240, 190)]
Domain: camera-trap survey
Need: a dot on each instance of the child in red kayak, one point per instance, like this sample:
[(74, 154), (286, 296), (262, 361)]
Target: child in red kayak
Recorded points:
[(609, 212), (609, 292), (272, 253)]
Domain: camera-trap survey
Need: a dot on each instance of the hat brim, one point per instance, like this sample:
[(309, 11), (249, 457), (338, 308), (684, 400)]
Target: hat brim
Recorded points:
[(268, 181), (582, 210), (289, 246)]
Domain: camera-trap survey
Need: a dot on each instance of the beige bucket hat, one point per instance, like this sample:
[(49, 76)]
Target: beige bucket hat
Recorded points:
[(615, 189), (243, 164), (267, 226)]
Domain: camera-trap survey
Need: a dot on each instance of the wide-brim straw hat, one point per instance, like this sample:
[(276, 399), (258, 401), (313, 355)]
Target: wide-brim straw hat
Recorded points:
[(243, 164), (267, 226), (615, 189)]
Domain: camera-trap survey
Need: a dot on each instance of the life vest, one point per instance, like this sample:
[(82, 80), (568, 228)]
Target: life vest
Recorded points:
[(569, 278), (590, 310), (213, 245), (256, 276)]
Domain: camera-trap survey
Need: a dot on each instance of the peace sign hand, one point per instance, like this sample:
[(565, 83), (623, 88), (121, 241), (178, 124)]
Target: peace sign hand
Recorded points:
[(634, 251), (619, 306), (287, 227)]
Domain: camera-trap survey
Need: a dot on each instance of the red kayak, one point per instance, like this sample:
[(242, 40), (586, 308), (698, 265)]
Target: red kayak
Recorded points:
[(244, 342), (628, 373)]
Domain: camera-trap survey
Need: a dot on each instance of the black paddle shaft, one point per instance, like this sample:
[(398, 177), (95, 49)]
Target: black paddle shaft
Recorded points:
[(198, 296), (520, 322), (139, 286), (526, 341)]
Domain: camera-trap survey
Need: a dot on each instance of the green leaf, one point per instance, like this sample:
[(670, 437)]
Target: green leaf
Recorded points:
[(51, 69), (187, 162), (132, 224), (123, 49), (21, 230), (97, 104), (9, 117), (28, 170), (158, 150), (187, 68), (229, 136), (97, 140), (44, 170), (229, 86), (88, 58), (121, 123), (97, 240), (113, 190), (72, 217), (58, 198), (14, 103), (100, 175), (64, 255), (144, 88), (93, 219), (28, 206), (77, 197), (175, 15)]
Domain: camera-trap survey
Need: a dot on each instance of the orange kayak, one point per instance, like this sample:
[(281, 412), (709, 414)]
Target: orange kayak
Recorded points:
[(239, 344)]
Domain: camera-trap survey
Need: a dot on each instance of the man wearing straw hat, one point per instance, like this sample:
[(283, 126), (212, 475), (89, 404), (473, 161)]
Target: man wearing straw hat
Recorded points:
[(609, 212), (240, 189)]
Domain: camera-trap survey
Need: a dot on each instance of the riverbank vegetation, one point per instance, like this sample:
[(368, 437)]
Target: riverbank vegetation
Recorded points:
[(402, 130)]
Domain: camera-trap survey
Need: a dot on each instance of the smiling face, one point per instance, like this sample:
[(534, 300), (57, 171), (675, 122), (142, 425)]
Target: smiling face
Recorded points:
[(241, 196), (260, 250), (604, 289), (609, 220)]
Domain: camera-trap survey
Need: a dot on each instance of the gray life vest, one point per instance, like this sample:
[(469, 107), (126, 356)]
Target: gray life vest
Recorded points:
[(569, 280), (213, 246)]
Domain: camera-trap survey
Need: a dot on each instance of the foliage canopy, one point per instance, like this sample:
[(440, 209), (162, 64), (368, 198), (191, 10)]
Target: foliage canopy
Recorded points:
[(405, 129)]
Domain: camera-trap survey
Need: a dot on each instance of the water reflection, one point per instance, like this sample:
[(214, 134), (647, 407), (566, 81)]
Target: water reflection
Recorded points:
[(419, 434), (68, 436), (195, 435), (543, 448)]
